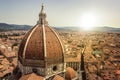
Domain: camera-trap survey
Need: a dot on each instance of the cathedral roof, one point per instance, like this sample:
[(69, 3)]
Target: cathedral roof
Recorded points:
[(41, 43), (57, 77), (70, 73)]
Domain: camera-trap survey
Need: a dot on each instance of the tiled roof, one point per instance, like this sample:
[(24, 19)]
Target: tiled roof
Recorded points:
[(36, 46), (31, 76), (70, 73), (57, 77), (118, 72), (2, 74)]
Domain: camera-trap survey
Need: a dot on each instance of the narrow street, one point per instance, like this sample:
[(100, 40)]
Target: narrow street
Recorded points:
[(83, 72)]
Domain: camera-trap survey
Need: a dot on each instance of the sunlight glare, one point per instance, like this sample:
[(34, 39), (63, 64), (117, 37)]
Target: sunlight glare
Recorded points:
[(88, 21)]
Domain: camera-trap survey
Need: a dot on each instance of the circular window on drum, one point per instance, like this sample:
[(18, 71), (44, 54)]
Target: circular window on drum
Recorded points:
[(55, 68)]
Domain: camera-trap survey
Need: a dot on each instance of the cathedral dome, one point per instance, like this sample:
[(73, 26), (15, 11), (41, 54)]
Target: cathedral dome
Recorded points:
[(57, 77), (40, 44), (70, 73)]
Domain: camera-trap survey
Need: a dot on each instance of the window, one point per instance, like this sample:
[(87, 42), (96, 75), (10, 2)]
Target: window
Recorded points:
[(54, 68), (34, 70)]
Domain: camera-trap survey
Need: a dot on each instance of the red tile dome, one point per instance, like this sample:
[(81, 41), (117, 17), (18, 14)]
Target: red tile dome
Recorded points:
[(70, 73), (41, 43)]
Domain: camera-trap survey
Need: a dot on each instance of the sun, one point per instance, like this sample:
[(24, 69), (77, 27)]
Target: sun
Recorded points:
[(88, 21)]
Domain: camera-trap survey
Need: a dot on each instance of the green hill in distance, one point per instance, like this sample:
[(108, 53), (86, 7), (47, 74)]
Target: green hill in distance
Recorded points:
[(8, 27)]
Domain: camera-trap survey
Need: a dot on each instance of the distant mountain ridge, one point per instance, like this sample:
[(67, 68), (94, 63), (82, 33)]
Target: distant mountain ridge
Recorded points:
[(98, 29), (107, 29), (8, 27)]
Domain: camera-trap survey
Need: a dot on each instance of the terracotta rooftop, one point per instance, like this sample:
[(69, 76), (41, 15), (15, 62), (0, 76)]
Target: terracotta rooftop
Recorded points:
[(2, 74), (118, 72), (5, 61), (70, 73), (31, 76), (9, 54), (57, 77)]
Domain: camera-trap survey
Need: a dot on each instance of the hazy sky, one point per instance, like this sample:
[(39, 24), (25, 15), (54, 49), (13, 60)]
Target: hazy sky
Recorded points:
[(61, 12)]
